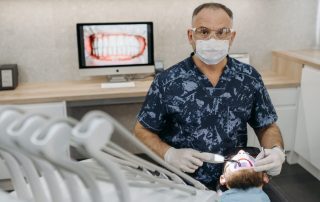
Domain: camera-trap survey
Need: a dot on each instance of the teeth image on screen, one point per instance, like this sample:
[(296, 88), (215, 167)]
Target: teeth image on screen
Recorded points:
[(107, 45), (116, 46)]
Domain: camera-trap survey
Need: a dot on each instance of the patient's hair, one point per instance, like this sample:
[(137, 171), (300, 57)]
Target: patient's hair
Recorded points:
[(244, 179)]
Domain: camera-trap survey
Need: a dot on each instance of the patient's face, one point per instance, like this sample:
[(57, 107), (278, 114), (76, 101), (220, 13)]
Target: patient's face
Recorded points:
[(245, 161), (241, 174)]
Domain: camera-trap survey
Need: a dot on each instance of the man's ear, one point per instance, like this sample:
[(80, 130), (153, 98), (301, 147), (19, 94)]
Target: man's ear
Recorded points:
[(190, 36), (232, 38), (222, 180), (265, 178)]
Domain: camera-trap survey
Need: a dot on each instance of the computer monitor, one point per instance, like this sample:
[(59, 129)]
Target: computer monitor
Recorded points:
[(117, 48)]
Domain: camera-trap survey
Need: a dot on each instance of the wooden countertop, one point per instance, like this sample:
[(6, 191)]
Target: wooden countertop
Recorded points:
[(308, 57), (27, 93), (273, 80), (285, 72), (288, 64)]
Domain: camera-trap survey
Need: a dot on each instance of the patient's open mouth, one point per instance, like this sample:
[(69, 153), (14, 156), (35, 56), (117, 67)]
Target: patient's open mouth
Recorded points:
[(245, 163)]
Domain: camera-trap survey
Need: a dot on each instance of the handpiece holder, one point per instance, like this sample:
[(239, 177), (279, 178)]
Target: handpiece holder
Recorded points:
[(92, 134), (7, 116), (120, 130), (27, 124), (56, 134), (53, 178)]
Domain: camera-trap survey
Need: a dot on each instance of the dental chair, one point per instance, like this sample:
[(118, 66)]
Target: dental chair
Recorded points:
[(274, 193), (39, 153)]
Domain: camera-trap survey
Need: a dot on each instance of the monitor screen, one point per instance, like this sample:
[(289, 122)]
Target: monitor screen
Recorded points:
[(115, 48)]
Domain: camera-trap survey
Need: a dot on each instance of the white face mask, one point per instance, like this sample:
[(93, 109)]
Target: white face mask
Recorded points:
[(212, 51)]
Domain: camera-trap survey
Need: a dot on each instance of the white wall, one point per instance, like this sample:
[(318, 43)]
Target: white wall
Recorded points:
[(40, 35), (318, 26)]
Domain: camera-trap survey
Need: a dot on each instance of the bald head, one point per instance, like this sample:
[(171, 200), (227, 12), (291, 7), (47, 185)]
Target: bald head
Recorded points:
[(213, 6)]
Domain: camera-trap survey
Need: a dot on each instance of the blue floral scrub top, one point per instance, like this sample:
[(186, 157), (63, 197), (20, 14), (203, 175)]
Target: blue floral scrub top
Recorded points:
[(187, 111)]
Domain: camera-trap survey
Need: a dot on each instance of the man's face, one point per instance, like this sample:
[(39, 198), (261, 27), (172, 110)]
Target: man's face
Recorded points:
[(213, 19)]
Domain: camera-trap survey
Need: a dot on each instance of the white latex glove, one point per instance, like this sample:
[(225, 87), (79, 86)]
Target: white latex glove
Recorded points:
[(270, 160), (187, 160)]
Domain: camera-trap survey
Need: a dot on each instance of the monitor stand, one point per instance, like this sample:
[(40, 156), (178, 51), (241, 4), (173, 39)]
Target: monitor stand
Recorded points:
[(117, 81), (117, 78)]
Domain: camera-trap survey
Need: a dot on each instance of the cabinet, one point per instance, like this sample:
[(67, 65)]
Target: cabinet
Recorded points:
[(52, 109), (304, 66), (308, 124), (285, 103)]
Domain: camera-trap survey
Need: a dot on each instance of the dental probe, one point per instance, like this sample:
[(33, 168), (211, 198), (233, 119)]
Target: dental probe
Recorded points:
[(214, 158), (217, 158)]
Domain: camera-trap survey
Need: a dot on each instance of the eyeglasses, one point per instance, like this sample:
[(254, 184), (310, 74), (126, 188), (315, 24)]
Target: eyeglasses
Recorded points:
[(205, 33), (240, 163)]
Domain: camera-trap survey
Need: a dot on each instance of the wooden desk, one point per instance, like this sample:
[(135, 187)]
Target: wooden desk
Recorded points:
[(287, 65), (309, 57), (86, 90), (27, 93)]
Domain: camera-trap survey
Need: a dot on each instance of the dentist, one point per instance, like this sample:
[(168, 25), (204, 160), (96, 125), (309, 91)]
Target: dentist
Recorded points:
[(203, 104)]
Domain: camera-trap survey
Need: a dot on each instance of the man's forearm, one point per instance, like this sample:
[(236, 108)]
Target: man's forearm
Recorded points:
[(151, 140), (270, 136)]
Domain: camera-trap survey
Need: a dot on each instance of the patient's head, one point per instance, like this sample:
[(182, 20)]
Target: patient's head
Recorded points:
[(240, 174)]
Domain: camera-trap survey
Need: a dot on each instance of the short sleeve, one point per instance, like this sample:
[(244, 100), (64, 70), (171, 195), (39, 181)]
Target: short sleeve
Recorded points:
[(263, 112), (152, 113)]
